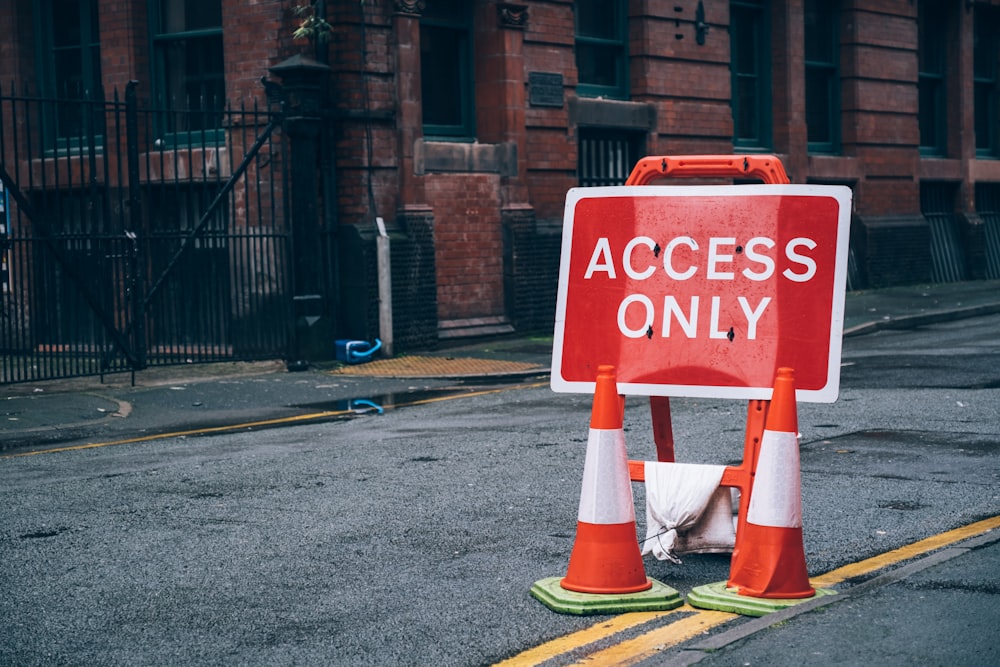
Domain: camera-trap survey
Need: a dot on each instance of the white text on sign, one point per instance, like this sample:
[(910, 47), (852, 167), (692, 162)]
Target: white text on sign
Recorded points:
[(681, 260)]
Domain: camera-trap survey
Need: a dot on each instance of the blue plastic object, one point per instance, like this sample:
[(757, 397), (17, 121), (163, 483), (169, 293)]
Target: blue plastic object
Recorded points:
[(356, 351), (360, 405)]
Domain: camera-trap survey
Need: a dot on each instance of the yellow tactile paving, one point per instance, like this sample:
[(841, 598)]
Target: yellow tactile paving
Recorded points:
[(417, 366)]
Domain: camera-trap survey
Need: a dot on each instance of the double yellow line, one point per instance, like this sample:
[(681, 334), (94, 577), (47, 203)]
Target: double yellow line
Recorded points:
[(692, 622)]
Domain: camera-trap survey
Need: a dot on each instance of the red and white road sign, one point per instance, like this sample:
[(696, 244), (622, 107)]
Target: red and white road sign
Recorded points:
[(703, 290)]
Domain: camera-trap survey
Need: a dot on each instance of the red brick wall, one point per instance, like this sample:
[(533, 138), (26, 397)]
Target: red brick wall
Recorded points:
[(124, 44), (684, 85), (468, 244), (880, 105), (17, 62), (688, 82), (256, 36), (550, 155)]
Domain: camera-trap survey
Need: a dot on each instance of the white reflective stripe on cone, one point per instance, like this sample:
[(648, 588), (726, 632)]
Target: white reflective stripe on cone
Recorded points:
[(606, 496), (776, 498)]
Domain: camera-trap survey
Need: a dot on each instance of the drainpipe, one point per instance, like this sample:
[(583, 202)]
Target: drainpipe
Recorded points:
[(384, 288)]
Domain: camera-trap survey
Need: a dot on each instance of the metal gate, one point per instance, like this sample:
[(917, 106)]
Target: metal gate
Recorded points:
[(137, 236)]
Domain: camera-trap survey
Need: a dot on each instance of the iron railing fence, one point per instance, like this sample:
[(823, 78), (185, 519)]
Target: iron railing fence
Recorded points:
[(125, 245), (938, 206), (988, 207)]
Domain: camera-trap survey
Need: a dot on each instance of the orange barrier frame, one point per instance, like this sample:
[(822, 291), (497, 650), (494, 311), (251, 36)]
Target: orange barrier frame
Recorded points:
[(767, 168)]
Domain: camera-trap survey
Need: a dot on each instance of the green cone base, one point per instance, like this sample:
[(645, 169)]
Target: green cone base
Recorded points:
[(717, 596), (658, 598)]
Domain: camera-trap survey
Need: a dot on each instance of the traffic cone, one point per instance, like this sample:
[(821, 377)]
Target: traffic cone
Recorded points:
[(769, 560), (605, 573), (768, 567)]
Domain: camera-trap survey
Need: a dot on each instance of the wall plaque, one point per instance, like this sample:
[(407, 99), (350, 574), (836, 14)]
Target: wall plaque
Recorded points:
[(545, 89)]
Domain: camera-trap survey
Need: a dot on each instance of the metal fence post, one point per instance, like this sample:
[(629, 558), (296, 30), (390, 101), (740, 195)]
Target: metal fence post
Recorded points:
[(303, 80), (134, 226)]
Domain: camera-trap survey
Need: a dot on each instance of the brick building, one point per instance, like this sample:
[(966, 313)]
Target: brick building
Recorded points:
[(462, 123)]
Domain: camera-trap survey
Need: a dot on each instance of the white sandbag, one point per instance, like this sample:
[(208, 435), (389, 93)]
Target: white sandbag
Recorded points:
[(715, 531), (677, 496)]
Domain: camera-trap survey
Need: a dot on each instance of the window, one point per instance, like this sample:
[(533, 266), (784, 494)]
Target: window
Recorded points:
[(606, 157), (188, 65), (986, 81), (751, 74), (602, 49), (932, 20), (822, 60), (446, 83), (69, 67)]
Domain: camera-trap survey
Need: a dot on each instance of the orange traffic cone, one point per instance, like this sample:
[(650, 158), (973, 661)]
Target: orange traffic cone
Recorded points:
[(768, 568), (606, 556), (769, 559), (605, 573)]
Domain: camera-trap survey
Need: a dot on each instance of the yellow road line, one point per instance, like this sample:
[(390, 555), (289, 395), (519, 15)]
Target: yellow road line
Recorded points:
[(264, 422), (178, 434), (920, 548), (581, 638), (639, 648), (649, 644)]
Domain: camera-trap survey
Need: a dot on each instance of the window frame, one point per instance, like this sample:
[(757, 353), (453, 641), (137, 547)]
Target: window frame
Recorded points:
[(89, 45), (465, 129), (829, 71), (761, 76), (986, 85), (159, 39), (932, 80), (622, 90)]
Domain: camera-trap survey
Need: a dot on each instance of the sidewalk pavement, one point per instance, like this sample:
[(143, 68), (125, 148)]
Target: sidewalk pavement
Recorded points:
[(44, 413)]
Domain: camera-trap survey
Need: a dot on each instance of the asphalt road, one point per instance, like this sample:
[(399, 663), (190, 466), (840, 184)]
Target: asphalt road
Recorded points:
[(413, 537), (943, 612)]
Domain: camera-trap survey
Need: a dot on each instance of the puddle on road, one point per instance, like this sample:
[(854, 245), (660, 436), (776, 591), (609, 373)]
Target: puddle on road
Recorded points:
[(379, 403)]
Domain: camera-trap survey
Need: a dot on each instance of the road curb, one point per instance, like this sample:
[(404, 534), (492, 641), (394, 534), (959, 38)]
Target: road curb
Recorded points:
[(922, 319)]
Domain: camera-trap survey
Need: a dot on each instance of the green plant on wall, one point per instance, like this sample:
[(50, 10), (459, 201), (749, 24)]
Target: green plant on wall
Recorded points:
[(312, 22)]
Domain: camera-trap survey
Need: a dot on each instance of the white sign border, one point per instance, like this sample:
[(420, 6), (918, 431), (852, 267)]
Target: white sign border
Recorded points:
[(826, 394)]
